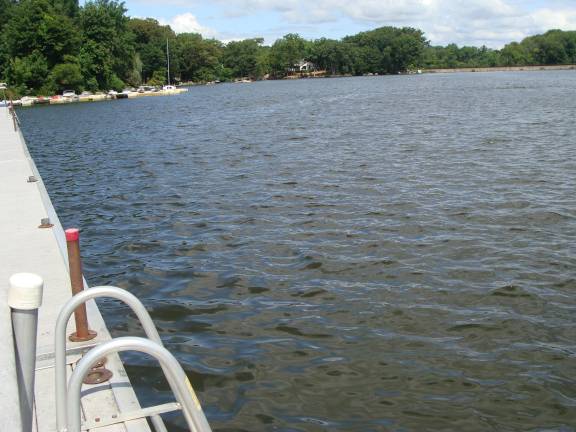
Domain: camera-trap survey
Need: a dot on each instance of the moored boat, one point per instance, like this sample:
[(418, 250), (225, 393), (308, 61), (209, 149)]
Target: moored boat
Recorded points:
[(85, 96), (70, 95), (98, 97), (147, 90), (57, 99), (129, 92), (28, 100), (171, 89)]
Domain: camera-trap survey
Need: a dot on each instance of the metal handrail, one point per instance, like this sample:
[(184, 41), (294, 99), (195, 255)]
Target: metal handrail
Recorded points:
[(174, 373), (15, 118), (60, 341)]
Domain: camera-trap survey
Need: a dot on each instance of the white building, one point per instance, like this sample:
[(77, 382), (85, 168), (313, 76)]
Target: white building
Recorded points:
[(305, 66)]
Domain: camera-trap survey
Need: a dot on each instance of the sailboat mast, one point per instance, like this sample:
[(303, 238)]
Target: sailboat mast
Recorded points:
[(168, 61)]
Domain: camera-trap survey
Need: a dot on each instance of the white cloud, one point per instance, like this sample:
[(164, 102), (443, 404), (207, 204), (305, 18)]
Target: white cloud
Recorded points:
[(476, 22), (188, 23), (563, 19)]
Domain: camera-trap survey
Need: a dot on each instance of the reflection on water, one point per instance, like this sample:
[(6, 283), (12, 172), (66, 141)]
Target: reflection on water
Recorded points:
[(363, 254)]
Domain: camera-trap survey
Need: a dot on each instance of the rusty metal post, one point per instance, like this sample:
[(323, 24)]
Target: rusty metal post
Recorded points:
[(82, 333)]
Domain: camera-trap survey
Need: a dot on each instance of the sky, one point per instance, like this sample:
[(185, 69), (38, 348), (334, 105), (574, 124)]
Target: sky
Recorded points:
[(493, 23)]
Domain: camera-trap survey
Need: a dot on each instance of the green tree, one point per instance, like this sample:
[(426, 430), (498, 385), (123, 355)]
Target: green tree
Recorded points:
[(246, 58), (67, 76), (158, 78), (49, 45), (513, 54), (150, 43), (28, 74), (6, 7), (196, 58), (335, 57), (406, 50), (35, 26), (69, 8), (34, 40), (551, 48), (389, 49), (286, 52), (135, 75), (107, 52), (452, 56)]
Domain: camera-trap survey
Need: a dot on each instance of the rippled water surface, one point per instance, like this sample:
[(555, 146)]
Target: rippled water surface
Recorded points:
[(363, 254)]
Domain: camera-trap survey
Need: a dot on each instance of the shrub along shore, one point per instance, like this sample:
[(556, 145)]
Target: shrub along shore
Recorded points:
[(47, 46)]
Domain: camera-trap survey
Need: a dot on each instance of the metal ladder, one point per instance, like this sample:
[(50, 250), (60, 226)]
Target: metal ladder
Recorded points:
[(68, 398)]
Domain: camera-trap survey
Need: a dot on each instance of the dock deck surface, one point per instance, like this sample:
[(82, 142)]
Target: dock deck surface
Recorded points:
[(27, 248)]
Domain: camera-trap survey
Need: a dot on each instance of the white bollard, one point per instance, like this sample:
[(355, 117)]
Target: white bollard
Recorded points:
[(24, 298)]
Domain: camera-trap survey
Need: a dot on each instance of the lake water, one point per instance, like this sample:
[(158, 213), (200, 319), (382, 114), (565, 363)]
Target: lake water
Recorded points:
[(365, 254)]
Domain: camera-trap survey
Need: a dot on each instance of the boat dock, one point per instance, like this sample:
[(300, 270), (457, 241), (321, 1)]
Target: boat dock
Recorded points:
[(28, 248), (98, 97), (33, 244)]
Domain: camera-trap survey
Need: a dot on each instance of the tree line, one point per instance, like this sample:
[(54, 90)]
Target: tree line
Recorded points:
[(47, 46)]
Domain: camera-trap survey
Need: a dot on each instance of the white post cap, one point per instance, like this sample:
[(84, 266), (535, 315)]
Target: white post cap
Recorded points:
[(25, 291)]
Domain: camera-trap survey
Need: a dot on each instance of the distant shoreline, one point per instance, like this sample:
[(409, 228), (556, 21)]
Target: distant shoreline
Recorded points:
[(531, 68), (503, 69)]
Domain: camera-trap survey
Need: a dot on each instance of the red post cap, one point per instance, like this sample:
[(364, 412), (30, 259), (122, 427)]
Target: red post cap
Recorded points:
[(72, 234)]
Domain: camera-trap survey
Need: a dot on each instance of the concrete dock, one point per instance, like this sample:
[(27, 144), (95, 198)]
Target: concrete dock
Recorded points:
[(27, 248)]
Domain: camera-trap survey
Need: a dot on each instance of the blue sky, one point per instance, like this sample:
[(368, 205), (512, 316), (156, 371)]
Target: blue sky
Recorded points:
[(475, 22)]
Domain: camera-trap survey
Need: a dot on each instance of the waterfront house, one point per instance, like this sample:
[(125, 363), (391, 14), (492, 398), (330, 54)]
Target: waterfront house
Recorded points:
[(303, 67)]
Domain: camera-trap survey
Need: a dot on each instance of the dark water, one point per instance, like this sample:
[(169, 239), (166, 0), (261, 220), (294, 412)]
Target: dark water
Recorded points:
[(364, 254)]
